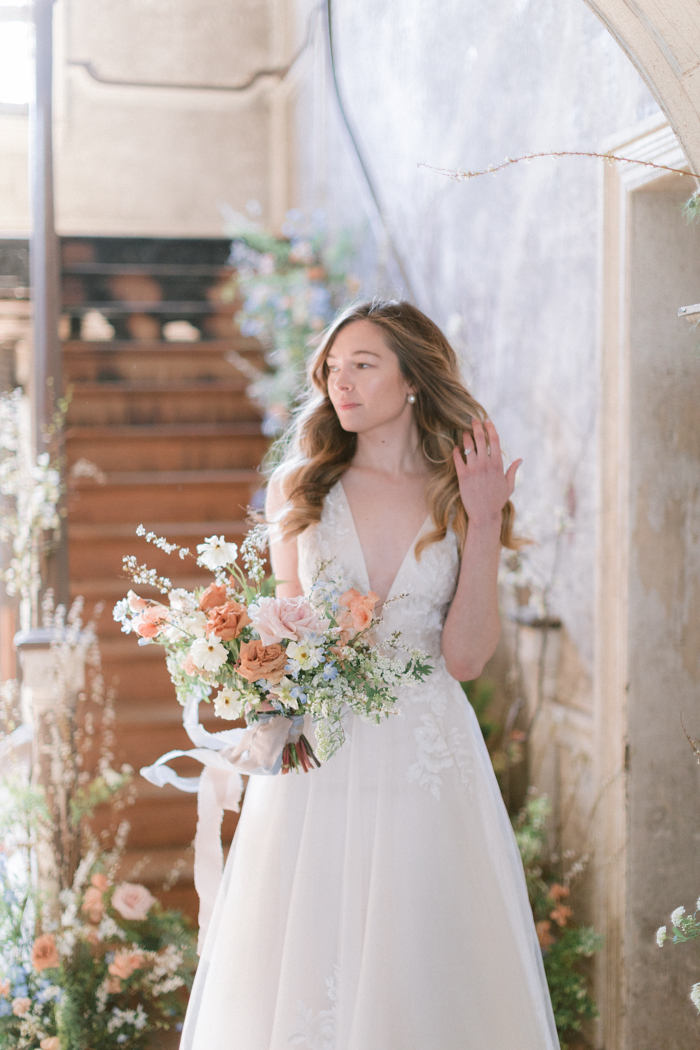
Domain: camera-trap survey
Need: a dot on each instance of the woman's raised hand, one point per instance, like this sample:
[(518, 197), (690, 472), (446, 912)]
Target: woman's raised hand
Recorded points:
[(484, 486)]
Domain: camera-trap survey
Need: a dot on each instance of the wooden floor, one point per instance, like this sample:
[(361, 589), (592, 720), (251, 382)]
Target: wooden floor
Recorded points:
[(162, 434)]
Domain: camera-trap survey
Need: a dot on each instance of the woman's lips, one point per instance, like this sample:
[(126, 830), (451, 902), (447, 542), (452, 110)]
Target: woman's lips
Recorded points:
[(350, 404)]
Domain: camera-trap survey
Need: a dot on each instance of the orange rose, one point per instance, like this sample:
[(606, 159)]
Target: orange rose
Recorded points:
[(45, 953), (125, 963), (214, 595), (262, 661), (227, 621), (100, 882), (93, 905), (360, 610), (557, 891), (5, 988)]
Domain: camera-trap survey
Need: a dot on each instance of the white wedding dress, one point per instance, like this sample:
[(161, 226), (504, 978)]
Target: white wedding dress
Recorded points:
[(379, 902)]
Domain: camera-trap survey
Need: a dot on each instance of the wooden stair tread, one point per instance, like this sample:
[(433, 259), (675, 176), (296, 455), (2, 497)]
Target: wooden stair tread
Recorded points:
[(108, 387), (232, 476), (111, 530), (213, 347), (149, 269), (139, 431), (113, 307)]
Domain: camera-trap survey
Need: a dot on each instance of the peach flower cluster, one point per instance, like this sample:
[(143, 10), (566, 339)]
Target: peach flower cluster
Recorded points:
[(122, 967), (150, 615), (358, 610), (45, 953), (93, 901)]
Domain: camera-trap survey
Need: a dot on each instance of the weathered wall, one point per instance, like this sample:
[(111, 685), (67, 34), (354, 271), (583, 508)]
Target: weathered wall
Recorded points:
[(164, 111), (664, 612), (508, 265)]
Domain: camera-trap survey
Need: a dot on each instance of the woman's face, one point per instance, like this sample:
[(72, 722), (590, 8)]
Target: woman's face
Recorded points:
[(365, 383)]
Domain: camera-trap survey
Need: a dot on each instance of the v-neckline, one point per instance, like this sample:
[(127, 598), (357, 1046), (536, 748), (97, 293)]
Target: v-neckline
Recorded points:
[(363, 560)]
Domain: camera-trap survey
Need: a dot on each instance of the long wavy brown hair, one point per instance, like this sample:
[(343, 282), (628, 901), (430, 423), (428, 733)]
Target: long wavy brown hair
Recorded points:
[(316, 451)]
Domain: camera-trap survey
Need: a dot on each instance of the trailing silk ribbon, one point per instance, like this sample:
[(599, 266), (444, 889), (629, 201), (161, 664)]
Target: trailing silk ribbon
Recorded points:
[(225, 755)]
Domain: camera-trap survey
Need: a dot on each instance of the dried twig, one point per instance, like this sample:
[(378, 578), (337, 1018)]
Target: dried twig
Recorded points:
[(461, 176)]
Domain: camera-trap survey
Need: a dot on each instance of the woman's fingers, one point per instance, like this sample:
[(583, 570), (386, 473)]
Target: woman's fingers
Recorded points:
[(510, 475), (479, 438), (494, 442)]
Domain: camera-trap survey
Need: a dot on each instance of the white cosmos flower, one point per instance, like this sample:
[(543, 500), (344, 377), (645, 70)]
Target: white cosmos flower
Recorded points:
[(677, 915), (661, 936), (228, 703), (304, 655), (695, 996), (216, 553), (208, 654)]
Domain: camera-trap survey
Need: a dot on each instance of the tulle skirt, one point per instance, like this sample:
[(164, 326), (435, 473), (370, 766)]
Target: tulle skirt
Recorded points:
[(378, 903)]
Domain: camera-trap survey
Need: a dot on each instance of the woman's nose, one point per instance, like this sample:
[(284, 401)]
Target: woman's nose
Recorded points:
[(342, 380)]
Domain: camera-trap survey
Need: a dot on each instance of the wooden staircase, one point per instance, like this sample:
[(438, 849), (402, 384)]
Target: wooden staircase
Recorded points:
[(161, 434)]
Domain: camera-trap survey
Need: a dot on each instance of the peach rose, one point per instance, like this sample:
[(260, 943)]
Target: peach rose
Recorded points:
[(125, 963), (5, 988), (262, 661), (278, 618), (132, 901), (113, 985), (227, 621), (214, 595), (557, 891), (93, 905), (20, 1007), (45, 953), (52, 1042), (151, 620), (100, 882)]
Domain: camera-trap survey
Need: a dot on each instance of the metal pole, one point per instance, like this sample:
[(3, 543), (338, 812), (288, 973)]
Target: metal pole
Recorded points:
[(46, 379)]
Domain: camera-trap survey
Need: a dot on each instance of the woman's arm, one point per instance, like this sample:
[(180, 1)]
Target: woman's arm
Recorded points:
[(473, 624), (283, 553)]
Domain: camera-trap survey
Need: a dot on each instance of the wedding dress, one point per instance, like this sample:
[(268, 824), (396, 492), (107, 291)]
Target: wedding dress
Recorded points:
[(379, 902)]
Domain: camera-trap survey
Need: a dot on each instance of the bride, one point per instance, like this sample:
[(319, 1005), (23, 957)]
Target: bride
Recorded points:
[(379, 902)]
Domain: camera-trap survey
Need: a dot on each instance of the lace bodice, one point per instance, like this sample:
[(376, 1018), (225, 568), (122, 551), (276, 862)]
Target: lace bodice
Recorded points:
[(427, 584)]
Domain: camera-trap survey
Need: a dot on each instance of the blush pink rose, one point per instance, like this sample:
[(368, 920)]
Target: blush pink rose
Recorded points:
[(20, 1007), (278, 618), (100, 881), (52, 1042), (132, 901)]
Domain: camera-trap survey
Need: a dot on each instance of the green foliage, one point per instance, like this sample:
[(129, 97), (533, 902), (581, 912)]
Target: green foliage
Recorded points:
[(691, 208), (563, 945)]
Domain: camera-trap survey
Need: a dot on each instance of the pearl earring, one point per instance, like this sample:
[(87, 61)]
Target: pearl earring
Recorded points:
[(411, 399)]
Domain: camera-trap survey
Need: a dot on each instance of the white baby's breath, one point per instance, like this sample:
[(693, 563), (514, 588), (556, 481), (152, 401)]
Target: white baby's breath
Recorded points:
[(677, 915), (695, 996), (661, 936)]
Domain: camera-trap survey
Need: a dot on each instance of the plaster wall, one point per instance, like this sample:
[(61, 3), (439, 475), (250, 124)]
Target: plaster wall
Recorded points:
[(664, 612), (508, 265), (165, 112)]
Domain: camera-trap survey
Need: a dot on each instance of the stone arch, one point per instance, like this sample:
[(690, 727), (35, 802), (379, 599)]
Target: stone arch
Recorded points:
[(662, 39)]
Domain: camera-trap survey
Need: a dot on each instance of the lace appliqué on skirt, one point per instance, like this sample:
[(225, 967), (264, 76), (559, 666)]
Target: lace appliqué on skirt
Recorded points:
[(317, 1031)]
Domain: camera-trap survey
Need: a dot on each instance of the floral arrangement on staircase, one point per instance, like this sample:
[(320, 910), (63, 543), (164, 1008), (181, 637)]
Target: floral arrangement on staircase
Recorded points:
[(86, 959), (291, 287)]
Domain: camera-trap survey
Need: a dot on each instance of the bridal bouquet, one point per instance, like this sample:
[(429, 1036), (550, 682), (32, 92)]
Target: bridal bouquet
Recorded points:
[(272, 660)]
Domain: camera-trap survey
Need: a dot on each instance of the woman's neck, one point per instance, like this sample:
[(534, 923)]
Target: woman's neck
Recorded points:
[(393, 448)]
